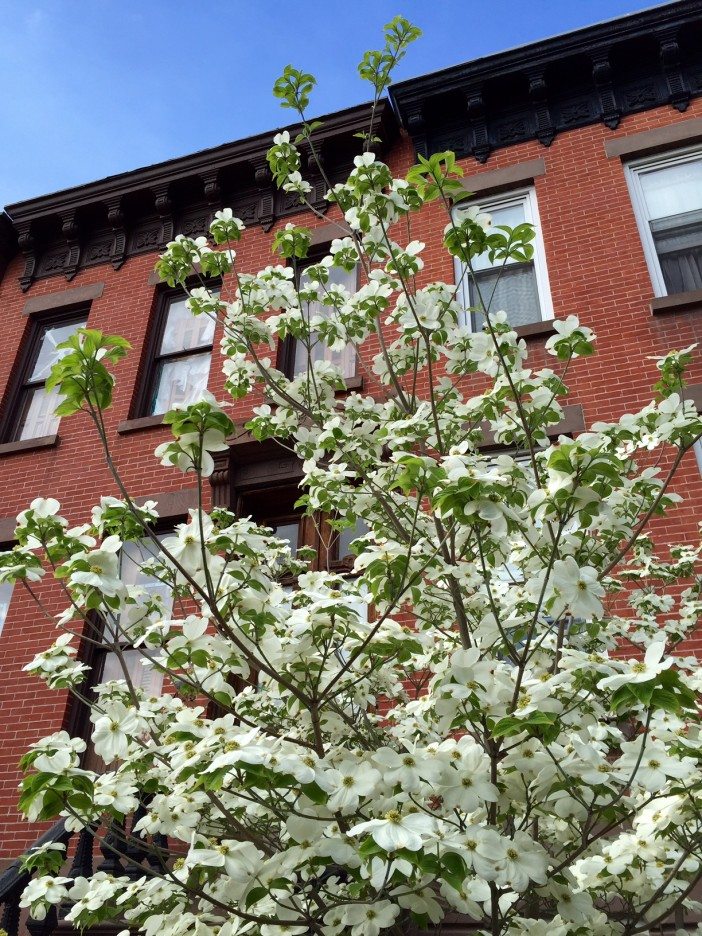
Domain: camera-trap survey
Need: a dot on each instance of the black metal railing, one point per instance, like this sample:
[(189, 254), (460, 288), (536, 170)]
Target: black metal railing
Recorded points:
[(123, 854)]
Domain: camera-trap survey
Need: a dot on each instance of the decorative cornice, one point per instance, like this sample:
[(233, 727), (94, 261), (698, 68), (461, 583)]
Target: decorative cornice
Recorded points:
[(140, 211), (600, 73), (8, 242)]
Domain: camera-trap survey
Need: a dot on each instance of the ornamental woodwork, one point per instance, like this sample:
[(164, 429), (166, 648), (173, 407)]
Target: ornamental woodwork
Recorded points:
[(69, 230), (27, 245), (538, 94), (213, 189), (116, 220), (139, 212), (678, 91), (651, 59), (475, 106), (602, 75), (164, 207)]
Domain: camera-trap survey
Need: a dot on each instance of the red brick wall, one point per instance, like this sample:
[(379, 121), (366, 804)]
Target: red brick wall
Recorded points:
[(596, 268)]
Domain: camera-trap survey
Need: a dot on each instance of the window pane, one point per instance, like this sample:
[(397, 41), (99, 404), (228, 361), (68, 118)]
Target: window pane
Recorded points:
[(678, 241), (289, 533), (48, 354), (131, 568), (344, 359), (509, 215), (142, 675), (346, 537), (513, 291), (180, 382), (5, 596), (36, 414), (183, 330), (673, 190)]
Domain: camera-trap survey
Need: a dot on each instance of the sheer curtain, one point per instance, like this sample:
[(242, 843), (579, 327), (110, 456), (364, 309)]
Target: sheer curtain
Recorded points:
[(344, 359), (512, 288), (512, 291), (673, 199)]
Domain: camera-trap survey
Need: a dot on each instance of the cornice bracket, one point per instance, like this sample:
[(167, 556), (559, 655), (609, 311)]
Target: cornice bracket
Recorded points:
[(220, 480), (164, 208), (316, 165), (416, 127), (538, 94), (27, 244), (265, 208), (116, 220), (610, 113), (679, 94), (70, 232), (475, 107), (212, 188)]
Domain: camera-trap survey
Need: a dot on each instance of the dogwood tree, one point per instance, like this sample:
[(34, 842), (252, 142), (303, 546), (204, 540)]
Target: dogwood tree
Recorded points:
[(491, 715)]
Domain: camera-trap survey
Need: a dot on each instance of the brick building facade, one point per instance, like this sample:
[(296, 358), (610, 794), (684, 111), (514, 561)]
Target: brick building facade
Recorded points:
[(593, 135)]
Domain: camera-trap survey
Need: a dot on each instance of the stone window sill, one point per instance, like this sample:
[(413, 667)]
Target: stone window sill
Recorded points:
[(29, 445), (678, 302), (536, 329), (142, 422), (353, 383)]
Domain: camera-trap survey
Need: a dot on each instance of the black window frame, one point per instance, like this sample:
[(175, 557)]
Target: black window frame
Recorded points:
[(21, 386), (93, 651), (146, 386), (286, 349)]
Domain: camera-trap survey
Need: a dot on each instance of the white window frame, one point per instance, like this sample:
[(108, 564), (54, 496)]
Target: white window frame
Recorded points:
[(633, 172), (6, 589), (527, 197)]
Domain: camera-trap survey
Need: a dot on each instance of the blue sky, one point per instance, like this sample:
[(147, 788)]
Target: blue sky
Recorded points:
[(95, 87)]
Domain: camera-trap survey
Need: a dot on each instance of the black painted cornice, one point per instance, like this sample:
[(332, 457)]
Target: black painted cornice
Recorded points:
[(8, 242), (140, 211), (599, 73)]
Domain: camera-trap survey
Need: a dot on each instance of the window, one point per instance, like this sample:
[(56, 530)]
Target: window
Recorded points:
[(667, 198), (296, 355), (287, 530), (135, 553), (106, 663), (33, 409), (5, 596), (519, 289), (132, 573), (181, 362), (341, 558)]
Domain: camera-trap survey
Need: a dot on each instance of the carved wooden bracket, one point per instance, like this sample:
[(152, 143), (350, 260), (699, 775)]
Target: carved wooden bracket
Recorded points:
[(27, 245), (538, 94), (212, 188), (115, 217), (220, 480), (475, 107), (266, 201), (416, 126), (604, 82), (678, 91), (70, 232), (164, 207)]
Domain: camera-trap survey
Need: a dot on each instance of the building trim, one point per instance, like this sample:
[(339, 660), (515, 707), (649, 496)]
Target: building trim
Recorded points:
[(498, 180), (654, 141), (140, 423), (7, 529), (677, 302), (172, 505), (601, 73), (29, 445), (140, 211), (60, 300)]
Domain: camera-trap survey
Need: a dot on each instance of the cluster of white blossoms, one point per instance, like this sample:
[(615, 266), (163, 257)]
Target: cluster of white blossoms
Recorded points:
[(449, 727)]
